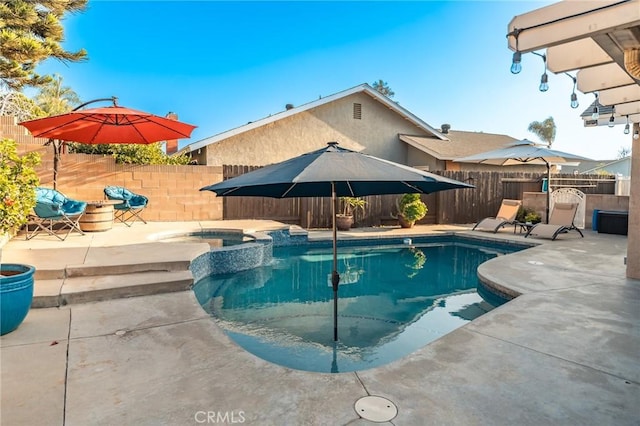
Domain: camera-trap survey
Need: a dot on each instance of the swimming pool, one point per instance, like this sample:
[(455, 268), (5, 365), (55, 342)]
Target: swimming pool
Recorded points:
[(393, 299)]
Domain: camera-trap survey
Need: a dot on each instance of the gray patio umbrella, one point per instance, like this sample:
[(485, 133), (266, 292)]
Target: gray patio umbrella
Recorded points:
[(333, 172), (522, 152)]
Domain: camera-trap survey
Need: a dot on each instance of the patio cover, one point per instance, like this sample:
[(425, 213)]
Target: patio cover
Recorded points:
[(600, 41)]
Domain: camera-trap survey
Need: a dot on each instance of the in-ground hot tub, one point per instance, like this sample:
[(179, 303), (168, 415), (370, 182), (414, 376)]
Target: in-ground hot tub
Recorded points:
[(214, 237)]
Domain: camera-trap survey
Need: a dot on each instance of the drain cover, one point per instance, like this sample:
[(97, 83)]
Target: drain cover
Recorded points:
[(376, 409)]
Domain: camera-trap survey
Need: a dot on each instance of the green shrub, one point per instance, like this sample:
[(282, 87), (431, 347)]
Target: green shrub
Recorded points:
[(528, 215), (132, 153), (18, 181), (412, 208)]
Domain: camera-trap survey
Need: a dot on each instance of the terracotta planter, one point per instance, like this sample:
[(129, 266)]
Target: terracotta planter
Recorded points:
[(343, 222), (16, 295), (405, 223)]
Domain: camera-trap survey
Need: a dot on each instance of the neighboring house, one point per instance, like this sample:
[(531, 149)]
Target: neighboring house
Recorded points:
[(620, 167), (359, 118), (432, 154)]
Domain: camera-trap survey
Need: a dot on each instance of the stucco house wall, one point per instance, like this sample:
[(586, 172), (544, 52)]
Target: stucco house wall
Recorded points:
[(312, 129), (423, 161)]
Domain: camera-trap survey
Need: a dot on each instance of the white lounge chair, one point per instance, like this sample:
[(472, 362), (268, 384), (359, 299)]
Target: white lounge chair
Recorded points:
[(506, 216), (560, 222)]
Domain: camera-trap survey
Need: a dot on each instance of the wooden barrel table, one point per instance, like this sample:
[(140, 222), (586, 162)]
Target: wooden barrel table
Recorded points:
[(98, 216)]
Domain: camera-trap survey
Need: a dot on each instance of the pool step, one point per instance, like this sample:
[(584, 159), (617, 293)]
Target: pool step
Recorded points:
[(83, 289), (126, 268)]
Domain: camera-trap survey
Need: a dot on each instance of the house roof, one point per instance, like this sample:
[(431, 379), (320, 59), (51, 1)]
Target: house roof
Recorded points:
[(363, 88), (459, 144), (593, 166)]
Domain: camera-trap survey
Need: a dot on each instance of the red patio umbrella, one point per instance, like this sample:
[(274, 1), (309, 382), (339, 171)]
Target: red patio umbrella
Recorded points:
[(113, 124)]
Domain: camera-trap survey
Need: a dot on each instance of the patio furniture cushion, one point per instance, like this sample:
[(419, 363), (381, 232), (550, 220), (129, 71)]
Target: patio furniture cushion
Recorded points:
[(506, 216), (131, 206), (560, 222), (54, 212)]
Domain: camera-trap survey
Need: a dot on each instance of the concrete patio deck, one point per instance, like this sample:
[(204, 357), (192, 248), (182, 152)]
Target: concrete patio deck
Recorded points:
[(565, 352)]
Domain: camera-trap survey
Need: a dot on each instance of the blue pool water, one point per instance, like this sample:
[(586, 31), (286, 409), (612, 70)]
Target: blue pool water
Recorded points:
[(392, 301)]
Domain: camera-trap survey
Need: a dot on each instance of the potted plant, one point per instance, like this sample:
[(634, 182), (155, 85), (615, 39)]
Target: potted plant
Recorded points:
[(350, 205), (16, 294), (528, 216), (18, 181), (411, 209)]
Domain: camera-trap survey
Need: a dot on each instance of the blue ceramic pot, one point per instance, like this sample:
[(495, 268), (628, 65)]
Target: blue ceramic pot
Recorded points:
[(16, 294)]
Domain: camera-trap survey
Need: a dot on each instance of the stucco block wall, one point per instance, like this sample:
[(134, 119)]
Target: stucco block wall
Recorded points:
[(376, 134), (538, 202), (173, 191)]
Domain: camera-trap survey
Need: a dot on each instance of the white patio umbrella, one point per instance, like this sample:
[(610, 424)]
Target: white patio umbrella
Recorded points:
[(525, 152)]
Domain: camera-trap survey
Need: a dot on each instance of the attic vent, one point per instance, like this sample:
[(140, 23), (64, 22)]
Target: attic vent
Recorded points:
[(288, 106), (357, 111), (445, 128)]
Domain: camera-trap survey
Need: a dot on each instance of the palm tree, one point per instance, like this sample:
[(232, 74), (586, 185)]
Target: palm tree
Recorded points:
[(545, 130), (54, 99)]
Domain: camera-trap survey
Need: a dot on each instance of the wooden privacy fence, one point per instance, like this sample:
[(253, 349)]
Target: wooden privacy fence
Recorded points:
[(445, 207)]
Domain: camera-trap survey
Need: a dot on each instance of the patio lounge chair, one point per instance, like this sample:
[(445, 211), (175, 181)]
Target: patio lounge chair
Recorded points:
[(132, 204), (54, 212), (560, 222), (506, 216)]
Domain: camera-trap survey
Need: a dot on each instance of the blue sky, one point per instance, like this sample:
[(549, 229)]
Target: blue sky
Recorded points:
[(219, 65)]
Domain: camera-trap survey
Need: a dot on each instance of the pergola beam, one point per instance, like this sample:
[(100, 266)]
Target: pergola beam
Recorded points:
[(568, 21), (602, 77), (619, 95), (628, 109), (575, 55)]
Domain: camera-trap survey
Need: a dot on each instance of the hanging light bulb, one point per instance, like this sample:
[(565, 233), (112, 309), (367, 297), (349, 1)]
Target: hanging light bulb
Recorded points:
[(626, 127), (636, 135), (611, 119), (596, 111), (544, 82), (574, 97), (516, 64), (574, 100)]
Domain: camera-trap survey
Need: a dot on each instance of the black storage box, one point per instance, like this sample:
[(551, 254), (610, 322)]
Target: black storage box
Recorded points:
[(613, 222)]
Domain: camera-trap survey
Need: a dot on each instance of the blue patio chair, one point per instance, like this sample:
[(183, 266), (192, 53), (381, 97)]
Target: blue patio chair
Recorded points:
[(54, 212), (132, 204)]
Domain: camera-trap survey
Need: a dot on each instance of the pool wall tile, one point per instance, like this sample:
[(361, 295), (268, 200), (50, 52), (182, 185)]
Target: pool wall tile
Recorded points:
[(284, 238)]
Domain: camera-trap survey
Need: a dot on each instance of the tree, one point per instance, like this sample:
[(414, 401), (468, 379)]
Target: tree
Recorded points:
[(54, 98), (545, 130), (383, 88), (30, 32), (132, 153), (18, 105)]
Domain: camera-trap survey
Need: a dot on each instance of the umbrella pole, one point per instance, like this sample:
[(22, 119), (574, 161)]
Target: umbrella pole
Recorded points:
[(56, 161), (335, 277), (548, 190)]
